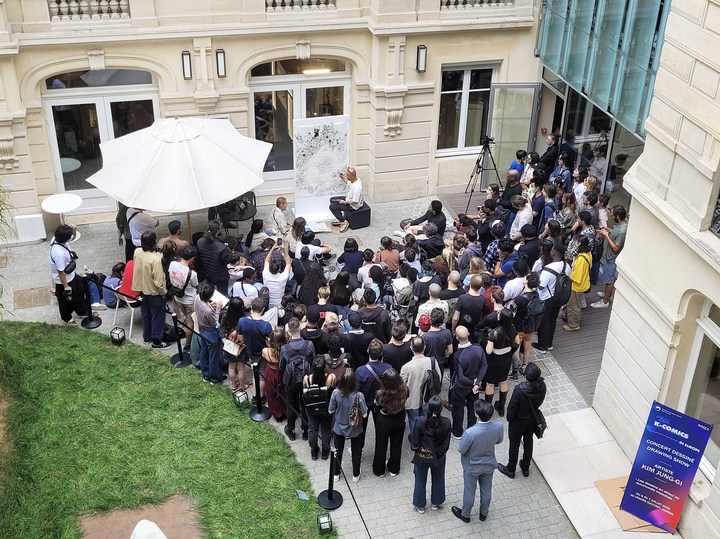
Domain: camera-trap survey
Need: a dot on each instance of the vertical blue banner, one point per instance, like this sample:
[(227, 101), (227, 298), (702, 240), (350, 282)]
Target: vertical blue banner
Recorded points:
[(666, 462)]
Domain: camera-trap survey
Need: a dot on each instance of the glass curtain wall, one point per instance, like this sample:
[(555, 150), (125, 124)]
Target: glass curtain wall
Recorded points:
[(607, 50)]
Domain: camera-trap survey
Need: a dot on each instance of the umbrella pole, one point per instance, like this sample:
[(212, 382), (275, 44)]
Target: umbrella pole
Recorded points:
[(189, 225)]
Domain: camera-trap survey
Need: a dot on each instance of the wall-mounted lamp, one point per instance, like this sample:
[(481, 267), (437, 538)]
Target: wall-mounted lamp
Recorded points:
[(421, 59), (220, 60), (186, 65)]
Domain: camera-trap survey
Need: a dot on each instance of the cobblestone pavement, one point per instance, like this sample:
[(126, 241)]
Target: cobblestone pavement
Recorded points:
[(522, 507)]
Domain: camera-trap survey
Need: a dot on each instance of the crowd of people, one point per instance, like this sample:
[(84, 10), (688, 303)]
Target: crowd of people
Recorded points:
[(377, 333)]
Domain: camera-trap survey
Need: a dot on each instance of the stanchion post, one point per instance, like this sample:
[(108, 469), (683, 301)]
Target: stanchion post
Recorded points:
[(181, 359), (258, 412), (330, 498), (92, 321)]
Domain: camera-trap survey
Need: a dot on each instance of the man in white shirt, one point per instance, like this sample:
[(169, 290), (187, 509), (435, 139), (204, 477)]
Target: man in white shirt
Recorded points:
[(278, 223), (524, 216), (274, 279), (341, 207), (139, 222), (514, 287), (546, 290)]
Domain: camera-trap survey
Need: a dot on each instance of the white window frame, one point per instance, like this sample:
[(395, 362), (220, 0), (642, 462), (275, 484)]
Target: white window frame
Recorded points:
[(461, 149), (707, 328)]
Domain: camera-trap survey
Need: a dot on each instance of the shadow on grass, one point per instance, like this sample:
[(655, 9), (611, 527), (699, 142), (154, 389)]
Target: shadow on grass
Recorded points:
[(94, 427)]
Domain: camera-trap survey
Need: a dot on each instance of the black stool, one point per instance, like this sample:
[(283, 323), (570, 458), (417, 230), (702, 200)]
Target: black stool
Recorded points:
[(360, 218)]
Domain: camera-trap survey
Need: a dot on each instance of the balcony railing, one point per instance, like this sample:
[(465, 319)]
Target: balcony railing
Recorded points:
[(85, 10), (473, 4), (299, 5)]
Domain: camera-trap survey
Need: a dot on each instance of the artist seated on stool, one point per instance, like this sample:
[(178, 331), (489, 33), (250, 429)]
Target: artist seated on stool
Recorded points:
[(341, 207)]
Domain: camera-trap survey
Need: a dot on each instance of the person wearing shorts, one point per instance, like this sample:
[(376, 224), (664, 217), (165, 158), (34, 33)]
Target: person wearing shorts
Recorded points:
[(614, 242), (178, 273)]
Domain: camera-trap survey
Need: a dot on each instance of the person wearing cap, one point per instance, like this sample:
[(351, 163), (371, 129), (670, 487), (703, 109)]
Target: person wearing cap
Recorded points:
[(529, 249), (546, 289), (357, 340), (414, 374), (341, 207)]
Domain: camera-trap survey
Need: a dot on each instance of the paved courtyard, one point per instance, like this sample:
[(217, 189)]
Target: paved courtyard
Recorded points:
[(524, 506)]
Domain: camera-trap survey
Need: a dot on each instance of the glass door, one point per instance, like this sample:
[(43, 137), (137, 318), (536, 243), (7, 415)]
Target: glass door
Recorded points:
[(513, 121), (79, 125)]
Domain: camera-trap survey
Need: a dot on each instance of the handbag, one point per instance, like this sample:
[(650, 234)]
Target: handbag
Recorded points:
[(174, 291), (355, 417), (425, 454), (540, 423)]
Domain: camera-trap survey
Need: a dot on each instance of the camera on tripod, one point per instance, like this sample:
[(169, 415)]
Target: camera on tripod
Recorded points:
[(486, 141)]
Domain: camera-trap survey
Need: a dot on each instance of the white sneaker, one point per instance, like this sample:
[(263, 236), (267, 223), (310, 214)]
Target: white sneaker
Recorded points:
[(98, 306), (337, 478), (400, 233), (356, 478), (583, 303), (420, 510), (600, 305), (601, 294)]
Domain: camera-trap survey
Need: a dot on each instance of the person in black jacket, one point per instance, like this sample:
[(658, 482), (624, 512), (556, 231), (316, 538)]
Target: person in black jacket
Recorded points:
[(214, 256), (549, 158), (433, 215), (512, 188), (434, 429), (521, 420)]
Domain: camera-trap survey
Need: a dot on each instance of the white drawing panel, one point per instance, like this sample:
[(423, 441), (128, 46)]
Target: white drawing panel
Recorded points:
[(321, 153)]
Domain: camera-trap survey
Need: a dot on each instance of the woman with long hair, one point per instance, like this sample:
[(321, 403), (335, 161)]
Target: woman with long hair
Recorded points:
[(211, 346), (319, 420), (377, 280), (341, 291), (296, 232), (521, 420), (501, 345), (256, 236), (553, 230), (228, 324), (477, 267), (274, 387), (343, 399), (388, 257), (351, 257), (314, 279), (214, 256), (545, 258), (389, 423), (432, 429), (568, 214)]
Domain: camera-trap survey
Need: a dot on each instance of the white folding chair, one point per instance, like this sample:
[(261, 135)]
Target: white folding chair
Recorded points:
[(132, 305)]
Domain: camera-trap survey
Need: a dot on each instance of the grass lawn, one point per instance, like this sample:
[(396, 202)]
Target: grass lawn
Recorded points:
[(94, 427)]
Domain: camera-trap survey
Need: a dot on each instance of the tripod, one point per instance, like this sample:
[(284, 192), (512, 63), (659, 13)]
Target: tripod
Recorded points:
[(477, 173)]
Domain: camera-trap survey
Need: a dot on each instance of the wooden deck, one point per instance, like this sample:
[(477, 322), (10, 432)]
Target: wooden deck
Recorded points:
[(578, 352)]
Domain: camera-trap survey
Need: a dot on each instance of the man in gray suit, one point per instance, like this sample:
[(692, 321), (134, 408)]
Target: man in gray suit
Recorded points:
[(477, 450)]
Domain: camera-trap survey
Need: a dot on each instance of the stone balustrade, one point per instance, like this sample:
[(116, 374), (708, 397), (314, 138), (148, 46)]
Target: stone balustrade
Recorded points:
[(299, 5), (458, 5), (85, 10)]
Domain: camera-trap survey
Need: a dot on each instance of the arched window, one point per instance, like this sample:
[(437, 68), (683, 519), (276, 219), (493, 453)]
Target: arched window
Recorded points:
[(293, 66), (93, 79)]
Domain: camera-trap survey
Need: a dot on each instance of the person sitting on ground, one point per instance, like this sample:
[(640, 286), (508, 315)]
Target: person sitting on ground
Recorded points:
[(463, 224), (411, 258), (256, 236), (434, 215), (297, 229), (388, 257), (316, 251), (341, 291), (433, 243), (176, 233), (245, 288), (341, 207), (401, 281), (351, 257), (454, 250), (311, 284)]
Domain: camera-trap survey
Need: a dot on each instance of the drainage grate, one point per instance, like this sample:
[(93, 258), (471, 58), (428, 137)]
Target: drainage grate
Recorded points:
[(31, 297), (543, 368)]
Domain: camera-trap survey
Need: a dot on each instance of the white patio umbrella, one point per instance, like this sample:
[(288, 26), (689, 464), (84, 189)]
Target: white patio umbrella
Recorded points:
[(181, 165)]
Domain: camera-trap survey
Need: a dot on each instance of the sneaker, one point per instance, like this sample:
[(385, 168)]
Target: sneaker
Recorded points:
[(434, 507), (583, 304), (325, 454), (526, 473), (601, 295), (337, 478), (218, 382), (570, 328), (344, 226), (72, 324), (507, 473), (162, 345), (336, 223), (314, 452), (458, 513), (393, 474), (98, 306), (550, 348), (536, 346), (289, 433), (420, 510), (483, 518), (206, 379), (513, 375), (381, 476), (305, 435), (455, 436), (600, 305), (147, 341), (356, 478)]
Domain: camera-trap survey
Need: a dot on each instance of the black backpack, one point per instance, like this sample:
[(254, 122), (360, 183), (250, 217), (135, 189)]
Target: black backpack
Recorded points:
[(316, 399), (295, 369), (432, 385), (563, 287), (534, 313)]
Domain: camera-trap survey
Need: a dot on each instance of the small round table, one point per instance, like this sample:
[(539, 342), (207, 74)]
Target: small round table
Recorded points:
[(61, 204)]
